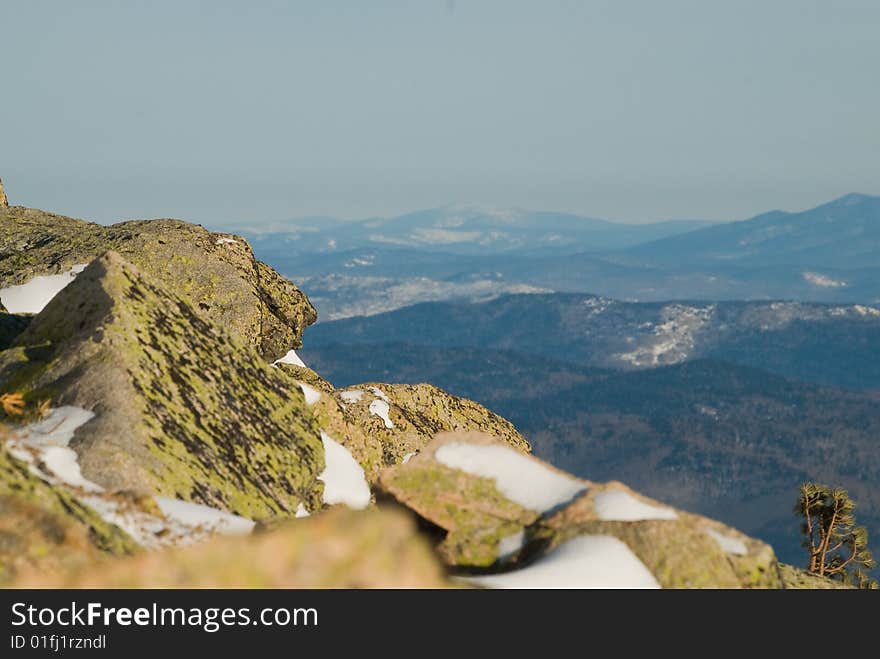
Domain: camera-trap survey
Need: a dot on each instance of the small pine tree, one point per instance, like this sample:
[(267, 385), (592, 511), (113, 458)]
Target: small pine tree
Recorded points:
[(837, 548)]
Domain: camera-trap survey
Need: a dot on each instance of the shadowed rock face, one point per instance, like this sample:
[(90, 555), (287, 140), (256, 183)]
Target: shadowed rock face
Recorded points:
[(216, 274), (183, 409), (679, 549)]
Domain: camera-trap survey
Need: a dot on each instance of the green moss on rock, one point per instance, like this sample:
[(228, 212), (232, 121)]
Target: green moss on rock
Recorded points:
[(216, 274), (45, 528), (183, 409), (420, 411)]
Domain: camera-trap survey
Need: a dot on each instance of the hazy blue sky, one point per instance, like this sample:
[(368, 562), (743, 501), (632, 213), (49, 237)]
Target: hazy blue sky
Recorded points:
[(630, 110)]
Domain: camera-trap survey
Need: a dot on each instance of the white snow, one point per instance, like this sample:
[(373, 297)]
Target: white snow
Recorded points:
[(672, 340), (344, 480), (521, 479), (44, 447), (380, 409), (729, 544), (290, 358), (226, 241), (862, 310), (352, 396), (621, 506), (49, 440), (196, 515), (34, 295), (587, 561), (818, 279), (312, 395), (301, 511), (381, 394), (511, 544), (407, 458)]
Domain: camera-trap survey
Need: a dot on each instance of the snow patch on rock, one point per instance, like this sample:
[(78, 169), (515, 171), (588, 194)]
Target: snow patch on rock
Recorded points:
[(344, 480), (621, 506), (728, 544), (587, 561), (352, 396), (381, 409), (311, 394), (290, 358), (521, 479), (34, 295)]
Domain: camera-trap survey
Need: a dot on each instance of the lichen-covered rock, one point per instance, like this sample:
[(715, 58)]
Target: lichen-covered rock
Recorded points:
[(46, 528), (794, 578), (307, 375), (337, 549), (183, 409), (406, 417), (504, 511), (216, 274), (334, 419)]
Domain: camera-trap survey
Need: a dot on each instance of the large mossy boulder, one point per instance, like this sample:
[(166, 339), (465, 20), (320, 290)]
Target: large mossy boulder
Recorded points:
[(404, 417), (515, 520), (340, 548), (216, 274), (182, 407)]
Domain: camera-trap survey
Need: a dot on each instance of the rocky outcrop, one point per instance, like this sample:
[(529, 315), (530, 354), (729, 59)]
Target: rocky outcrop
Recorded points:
[(4, 202), (337, 549), (216, 274), (796, 579), (404, 418), (47, 528), (182, 408), (506, 516)]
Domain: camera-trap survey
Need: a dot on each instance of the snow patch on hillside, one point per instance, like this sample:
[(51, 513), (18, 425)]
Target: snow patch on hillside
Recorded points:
[(672, 340), (587, 561), (824, 281), (34, 295), (521, 479)]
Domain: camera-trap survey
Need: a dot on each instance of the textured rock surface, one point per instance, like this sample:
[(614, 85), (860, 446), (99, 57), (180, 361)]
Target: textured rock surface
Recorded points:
[(183, 409), (4, 202), (418, 412), (46, 528), (680, 549), (216, 274), (337, 549), (795, 578)]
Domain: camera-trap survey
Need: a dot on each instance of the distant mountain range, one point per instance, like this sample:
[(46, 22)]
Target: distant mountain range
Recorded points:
[(830, 253), (465, 230)]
